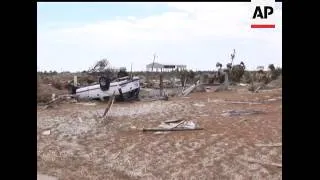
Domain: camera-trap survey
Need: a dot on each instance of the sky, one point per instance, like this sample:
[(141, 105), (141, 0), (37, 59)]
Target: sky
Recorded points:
[(73, 36)]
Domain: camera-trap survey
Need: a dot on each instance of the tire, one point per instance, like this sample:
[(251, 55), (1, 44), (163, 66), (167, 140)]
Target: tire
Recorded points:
[(104, 83), (121, 95), (72, 89), (137, 93)]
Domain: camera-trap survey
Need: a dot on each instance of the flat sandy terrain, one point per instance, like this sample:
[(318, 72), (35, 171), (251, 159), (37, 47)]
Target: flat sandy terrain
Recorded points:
[(80, 146)]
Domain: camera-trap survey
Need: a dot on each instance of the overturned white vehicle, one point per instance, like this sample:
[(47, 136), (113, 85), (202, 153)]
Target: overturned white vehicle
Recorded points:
[(123, 88)]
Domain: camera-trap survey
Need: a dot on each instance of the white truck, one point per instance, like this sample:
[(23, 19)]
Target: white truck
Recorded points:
[(123, 88)]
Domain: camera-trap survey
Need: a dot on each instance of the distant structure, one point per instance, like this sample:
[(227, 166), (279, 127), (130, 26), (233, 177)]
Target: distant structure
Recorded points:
[(118, 69), (260, 68), (165, 67)]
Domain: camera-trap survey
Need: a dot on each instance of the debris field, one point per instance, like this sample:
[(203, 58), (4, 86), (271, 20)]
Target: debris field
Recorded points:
[(239, 137)]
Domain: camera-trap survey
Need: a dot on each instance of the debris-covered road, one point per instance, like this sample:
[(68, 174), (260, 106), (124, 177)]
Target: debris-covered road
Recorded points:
[(74, 144)]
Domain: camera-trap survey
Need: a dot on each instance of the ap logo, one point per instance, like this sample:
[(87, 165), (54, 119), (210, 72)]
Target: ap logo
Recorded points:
[(263, 14)]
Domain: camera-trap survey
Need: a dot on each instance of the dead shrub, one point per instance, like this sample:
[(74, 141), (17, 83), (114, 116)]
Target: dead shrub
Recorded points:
[(57, 85), (247, 77), (43, 98)]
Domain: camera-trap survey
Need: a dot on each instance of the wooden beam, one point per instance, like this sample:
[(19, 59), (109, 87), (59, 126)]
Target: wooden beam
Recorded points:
[(110, 103), (172, 129)]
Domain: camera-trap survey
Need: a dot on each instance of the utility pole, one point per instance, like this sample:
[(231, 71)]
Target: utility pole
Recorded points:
[(131, 71), (154, 57), (233, 56)]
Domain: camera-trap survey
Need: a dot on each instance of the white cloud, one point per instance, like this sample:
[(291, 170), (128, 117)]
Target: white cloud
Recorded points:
[(196, 34)]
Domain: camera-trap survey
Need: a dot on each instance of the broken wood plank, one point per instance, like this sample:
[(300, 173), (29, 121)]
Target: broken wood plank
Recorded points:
[(261, 162), (190, 89), (165, 98), (257, 89), (54, 100), (178, 124), (170, 129), (269, 145), (108, 107), (59, 99), (110, 103), (45, 106), (87, 104), (51, 102), (241, 112), (243, 102), (69, 95), (173, 121)]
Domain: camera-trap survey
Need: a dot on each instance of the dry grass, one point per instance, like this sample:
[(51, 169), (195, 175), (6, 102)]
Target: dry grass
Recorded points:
[(45, 92)]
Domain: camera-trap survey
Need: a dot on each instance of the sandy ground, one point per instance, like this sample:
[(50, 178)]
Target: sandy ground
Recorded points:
[(74, 144)]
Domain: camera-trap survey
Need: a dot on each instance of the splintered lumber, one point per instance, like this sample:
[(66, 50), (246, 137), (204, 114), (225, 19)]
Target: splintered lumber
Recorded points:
[(69, 95), (178, 124), (59, 99), (110, 103), (173, 121), (171, 129), (108, 107), (165, 98), (257, 89), (54, 100), (190, 89), (243, 102)]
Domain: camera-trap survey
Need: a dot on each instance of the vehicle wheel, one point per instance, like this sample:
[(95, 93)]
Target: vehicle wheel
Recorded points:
[(104, 83), (137, 93), (72, 89), (121, 94)]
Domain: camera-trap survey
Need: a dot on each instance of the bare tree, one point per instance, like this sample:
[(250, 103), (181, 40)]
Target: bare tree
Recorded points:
[(219, 65), (100, 66), (237, 72), (271, 67), (233, 56), (273, 73)]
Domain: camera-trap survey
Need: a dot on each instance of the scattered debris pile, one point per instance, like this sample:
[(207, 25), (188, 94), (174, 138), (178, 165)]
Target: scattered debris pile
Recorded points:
[(255, 87), (175, 125), (240, 112), (275, 83), (188, 90), (58, 99), (45, 91)]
